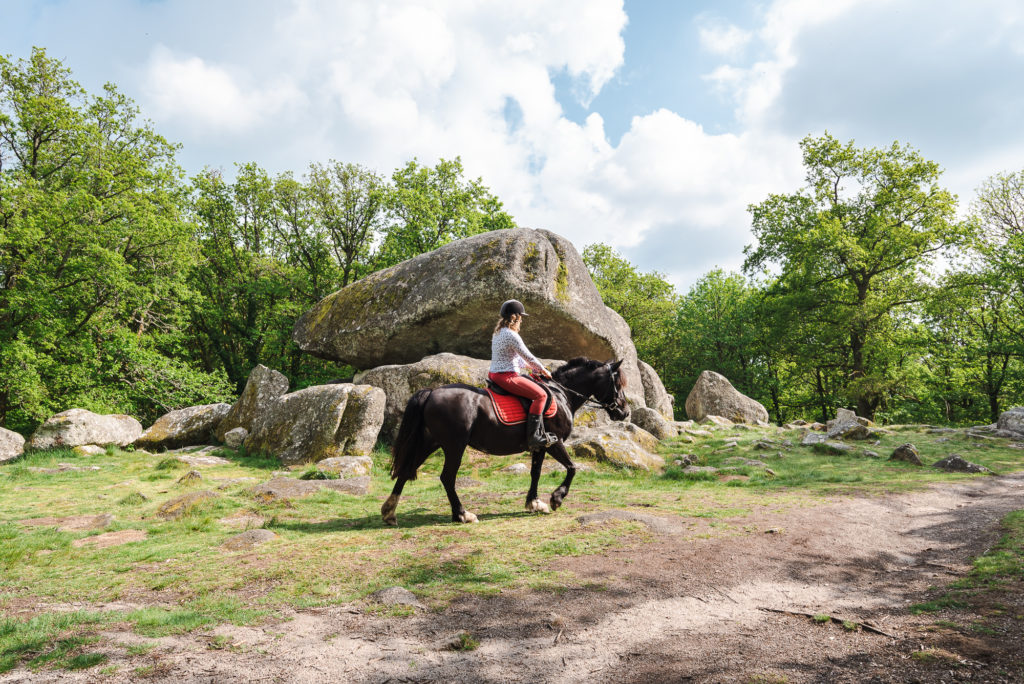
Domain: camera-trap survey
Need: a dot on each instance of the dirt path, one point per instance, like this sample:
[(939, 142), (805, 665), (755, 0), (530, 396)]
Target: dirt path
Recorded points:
[(678, 609)]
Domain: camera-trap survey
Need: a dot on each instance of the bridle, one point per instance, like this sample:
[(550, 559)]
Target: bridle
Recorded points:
[(607, 405)]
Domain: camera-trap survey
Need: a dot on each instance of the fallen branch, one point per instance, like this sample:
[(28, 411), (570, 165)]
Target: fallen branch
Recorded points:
[(867, 626)]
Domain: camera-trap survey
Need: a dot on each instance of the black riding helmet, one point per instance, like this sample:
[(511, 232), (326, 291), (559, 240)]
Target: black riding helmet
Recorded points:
[(512, 306)]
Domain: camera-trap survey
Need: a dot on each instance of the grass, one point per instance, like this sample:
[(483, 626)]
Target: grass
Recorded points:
[(1001, 568), (332, 548)]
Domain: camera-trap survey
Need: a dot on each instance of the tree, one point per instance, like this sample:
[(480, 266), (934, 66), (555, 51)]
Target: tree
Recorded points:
[(852, 247), (646, 301), (431, 207), (92, 251), (348, 203)]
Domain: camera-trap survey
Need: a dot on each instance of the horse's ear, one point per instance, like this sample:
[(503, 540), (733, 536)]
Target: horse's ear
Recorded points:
[(615, 365)]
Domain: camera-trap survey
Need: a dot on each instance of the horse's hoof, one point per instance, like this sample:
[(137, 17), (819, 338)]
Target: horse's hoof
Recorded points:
[(538, 506), (556, 502), (467, 517)]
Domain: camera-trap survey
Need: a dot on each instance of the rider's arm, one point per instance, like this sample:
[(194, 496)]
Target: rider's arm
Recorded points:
[(529, 358)]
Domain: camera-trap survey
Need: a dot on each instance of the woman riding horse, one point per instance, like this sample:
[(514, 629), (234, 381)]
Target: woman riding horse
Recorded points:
[(508, 355), (452, 417)]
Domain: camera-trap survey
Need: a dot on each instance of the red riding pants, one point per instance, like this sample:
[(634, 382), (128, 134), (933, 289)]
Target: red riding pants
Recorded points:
[(520, 386)]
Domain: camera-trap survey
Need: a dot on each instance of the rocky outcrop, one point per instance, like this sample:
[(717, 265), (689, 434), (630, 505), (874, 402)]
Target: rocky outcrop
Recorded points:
[(346, 466), (1012, 422), (653, 422), (184, 427), (12, 445), (655, 395), (714, 395), (955, 463), (906, 453), (621, 444), (235, 437), (448, 300), (319, 422), (847, 425), (400, 382), (76, 427), (262, 389)]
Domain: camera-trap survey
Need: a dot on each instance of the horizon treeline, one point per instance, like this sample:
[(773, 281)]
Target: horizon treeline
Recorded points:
[(128, 286)]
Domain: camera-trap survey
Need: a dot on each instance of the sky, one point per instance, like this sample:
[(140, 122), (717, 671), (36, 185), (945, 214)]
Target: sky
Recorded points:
[(649, 125)]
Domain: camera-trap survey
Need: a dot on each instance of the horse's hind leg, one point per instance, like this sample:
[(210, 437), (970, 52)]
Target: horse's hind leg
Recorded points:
[(387, 511), (533, 504), (452, 461), (562, 456)]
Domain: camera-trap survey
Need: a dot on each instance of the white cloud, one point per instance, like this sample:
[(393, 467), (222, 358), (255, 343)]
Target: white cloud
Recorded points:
[(206, 97), (726, 40)]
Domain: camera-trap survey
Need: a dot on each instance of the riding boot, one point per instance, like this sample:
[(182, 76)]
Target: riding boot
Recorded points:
[(536, 435)]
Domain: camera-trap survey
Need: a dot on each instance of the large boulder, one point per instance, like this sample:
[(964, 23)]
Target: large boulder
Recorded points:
[(184, 427), (714, 395), (655, 395), (1012, 421), (262, 389), (11, 445), (319, 422), (621, 444), (653, 422), (76, 427), (401, 381), (448, 299), (847, 425)]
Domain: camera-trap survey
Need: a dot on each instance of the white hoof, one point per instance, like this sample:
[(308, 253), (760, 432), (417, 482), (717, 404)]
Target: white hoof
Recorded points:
[(468, 517), (538, 506)]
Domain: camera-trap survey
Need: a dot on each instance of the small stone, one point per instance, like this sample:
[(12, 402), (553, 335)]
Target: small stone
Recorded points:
[(956, 463), (396, 596), (516, 469), (248, 539), (870, 454), (906, 453), (235, 437), (202, 460), (191, 477), (89, 450), (812, 438), (693, 469), (346, 466)]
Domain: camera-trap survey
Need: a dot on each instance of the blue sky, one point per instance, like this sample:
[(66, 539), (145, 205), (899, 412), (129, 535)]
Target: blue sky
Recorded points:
[(647, 125)]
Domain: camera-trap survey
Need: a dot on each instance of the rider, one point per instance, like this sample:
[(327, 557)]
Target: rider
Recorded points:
[(508, 355)]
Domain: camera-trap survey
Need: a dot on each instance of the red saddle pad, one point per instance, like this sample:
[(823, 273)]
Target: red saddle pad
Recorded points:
[(510, 409)]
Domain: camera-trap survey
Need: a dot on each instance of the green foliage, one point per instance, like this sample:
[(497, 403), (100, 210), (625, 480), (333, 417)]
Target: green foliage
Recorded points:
[(850, 249), (430, 207)]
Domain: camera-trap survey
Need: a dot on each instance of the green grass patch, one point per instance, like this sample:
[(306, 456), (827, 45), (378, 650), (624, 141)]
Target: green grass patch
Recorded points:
[(333, 548), (51, 639)]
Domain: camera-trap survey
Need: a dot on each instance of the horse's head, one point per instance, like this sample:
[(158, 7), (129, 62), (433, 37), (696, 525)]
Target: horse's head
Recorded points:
[(611, 396)]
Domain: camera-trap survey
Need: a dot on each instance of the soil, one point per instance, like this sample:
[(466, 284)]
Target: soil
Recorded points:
[(733, 608)]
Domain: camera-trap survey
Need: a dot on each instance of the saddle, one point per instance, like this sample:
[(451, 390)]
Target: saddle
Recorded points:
[(512, 409)]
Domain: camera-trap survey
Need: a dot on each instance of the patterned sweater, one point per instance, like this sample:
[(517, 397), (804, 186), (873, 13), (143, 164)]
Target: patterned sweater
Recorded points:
[(509, 353)]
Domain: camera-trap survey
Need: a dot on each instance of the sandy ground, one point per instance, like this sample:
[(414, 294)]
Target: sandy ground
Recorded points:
[(678, 609)]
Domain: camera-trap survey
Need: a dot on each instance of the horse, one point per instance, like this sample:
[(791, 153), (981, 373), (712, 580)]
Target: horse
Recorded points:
[(452, 417)]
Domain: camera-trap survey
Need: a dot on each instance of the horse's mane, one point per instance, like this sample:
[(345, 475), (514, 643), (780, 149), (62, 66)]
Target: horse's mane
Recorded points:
[(574, 366)]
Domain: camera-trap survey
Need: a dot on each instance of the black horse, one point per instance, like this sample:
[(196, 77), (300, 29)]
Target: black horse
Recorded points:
[(453, 417)]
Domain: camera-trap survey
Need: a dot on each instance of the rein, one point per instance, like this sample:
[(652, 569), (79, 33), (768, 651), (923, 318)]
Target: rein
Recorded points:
[(607, 406)]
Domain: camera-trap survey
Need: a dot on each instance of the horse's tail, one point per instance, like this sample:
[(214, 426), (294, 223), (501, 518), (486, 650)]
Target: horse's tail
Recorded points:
[(410, 438)]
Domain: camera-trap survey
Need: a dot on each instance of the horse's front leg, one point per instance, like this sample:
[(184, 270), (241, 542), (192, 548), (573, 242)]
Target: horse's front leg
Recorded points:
[(452, 461), (562, 456), (533, 504)]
